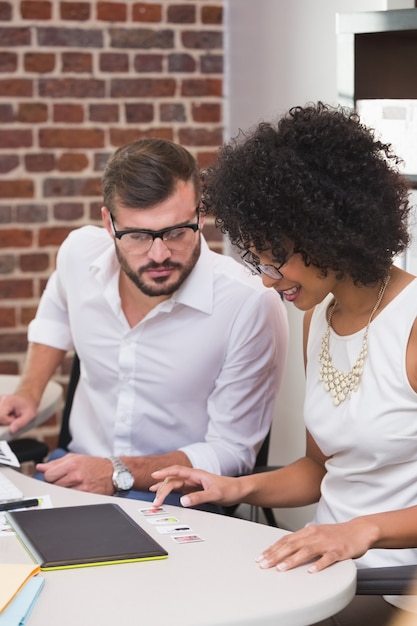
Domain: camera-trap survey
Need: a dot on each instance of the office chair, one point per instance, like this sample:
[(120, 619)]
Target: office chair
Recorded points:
[(29, 449), (379, 581), (261, 465)]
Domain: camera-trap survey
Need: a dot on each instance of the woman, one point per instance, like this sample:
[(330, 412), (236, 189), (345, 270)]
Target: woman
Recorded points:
[(320, 210)]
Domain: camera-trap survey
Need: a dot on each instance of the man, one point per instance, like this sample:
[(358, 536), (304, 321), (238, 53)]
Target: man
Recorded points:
[(181, 349)]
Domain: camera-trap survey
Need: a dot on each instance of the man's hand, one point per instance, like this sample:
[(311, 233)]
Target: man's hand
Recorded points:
[(16, 411), (80, 471)]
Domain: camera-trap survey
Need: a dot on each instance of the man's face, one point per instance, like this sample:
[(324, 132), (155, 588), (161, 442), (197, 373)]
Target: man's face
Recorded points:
[(161, 270)]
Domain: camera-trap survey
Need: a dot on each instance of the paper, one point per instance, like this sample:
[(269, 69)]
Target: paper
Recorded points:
[(7, 456), (6, 529), (12, 578), (17, 613)]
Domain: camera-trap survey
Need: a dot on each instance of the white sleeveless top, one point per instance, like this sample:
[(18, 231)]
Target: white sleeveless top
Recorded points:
[(371, 437)]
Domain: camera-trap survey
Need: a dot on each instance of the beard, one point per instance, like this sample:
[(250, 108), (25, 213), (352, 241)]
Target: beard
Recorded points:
[(163, 285)]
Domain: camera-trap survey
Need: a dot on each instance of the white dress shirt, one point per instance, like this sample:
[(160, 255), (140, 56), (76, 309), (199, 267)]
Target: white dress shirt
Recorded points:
[(199, 373)]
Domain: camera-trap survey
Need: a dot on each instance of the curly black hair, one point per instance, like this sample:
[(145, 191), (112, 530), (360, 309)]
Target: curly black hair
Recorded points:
[(319, 178)]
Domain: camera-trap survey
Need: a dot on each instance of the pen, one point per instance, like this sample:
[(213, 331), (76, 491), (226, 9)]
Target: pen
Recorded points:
[(19, 504)]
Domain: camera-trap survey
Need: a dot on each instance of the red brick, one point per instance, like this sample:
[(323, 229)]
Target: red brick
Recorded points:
[(71, 88), (202, 40), (40, 162), (200, 136), (202, 87), (39, 62), (17, 36), (69, 162), (139, 113), (104, 113), (5, 214), (71, 138), (6, 113), (8, 163), (15, 238), (8, 61), (16, 189), (7, 317), (27, 314), (120, 136), (146, 12), (16, 138), (9, 367), (172, 112), (77, 62), (181, 14), (16, 288), (211, 64), (34, 262), (72, 187), (212, 15), (31, 213), (142, 88), (68, 113), (148, 63), (53, 236), (32, 112), (181, 63), (74, 10), (7, 263), (111, 12), (16, 87), (206, 112), (206, 158), (5, 11), (73, 37), (141, 38), (13, 342), (36, 10), (68, 211), (95, 212), (114, 62)]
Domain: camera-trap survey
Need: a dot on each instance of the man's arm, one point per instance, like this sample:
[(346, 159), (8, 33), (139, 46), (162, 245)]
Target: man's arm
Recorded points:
[(94, 474), (19, 409)]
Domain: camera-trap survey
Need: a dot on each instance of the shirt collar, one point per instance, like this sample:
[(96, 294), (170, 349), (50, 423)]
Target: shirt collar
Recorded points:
[(196, 291)]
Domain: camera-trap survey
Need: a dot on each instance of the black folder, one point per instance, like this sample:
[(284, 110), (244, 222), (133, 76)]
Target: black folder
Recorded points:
[(80, 536)]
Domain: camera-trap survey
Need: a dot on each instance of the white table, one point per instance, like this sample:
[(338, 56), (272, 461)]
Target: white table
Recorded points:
[(50, 404), (212, 583)]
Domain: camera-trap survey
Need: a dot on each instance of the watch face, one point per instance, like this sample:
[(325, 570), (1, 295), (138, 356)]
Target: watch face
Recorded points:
[(124, 480)]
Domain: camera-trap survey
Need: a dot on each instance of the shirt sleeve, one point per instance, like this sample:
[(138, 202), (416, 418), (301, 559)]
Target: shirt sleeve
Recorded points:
[(51, 324), (241, 406)]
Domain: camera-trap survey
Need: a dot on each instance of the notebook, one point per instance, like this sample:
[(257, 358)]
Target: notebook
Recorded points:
[(81, 536)]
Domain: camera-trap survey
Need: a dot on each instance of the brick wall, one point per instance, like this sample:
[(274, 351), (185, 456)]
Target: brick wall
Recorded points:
[(77, 80)]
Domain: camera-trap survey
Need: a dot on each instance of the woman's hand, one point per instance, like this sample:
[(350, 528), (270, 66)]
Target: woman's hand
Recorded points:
[(323, 544), (200, 486)]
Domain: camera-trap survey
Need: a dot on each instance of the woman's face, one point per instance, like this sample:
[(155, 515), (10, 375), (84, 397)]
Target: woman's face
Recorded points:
[(304, 286)]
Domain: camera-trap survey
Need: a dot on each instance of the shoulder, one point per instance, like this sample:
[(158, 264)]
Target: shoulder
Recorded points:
[(84, 241)]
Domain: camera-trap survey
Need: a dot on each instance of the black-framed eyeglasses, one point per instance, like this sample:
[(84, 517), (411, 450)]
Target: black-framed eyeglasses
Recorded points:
[(140, 240), (257, 268)]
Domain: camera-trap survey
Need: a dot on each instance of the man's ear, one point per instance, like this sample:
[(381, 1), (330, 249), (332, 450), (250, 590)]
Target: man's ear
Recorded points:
[(202, 220), (105, 216)]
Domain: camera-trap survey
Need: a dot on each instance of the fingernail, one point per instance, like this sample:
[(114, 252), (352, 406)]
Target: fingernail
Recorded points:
[(185, 501), (260, 558), (312, 569), (264, 564), (282, 566)]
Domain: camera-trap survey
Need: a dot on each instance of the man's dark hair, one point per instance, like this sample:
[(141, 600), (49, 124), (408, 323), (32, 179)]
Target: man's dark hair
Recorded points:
[(145, 172), (319, 178)]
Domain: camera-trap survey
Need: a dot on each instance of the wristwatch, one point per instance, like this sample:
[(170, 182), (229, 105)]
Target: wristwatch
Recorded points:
[(122, 478)]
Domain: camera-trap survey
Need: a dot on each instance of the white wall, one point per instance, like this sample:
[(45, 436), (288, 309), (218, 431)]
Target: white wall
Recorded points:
[(281, 53)]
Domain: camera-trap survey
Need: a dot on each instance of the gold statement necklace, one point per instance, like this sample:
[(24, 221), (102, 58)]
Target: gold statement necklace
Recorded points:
[(336, 382)]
